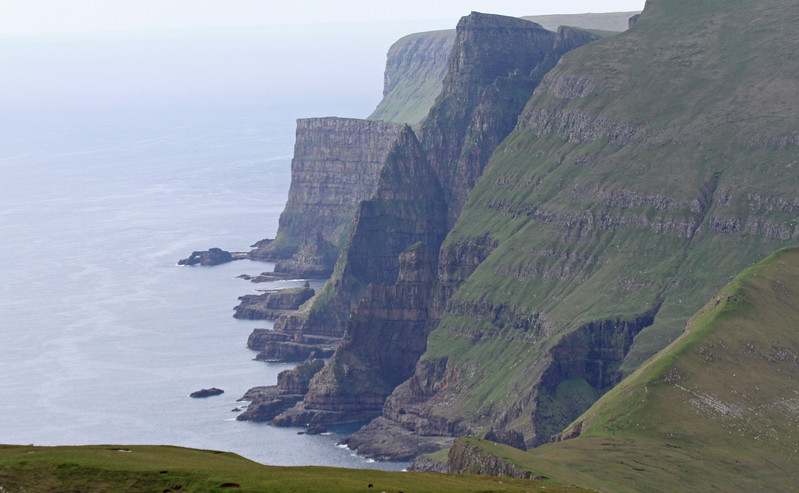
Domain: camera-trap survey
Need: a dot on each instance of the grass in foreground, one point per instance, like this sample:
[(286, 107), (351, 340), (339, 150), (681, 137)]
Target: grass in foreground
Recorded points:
[(101, 468)]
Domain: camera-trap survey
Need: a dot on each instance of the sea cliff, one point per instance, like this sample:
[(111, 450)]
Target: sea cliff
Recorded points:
[(575, 200)]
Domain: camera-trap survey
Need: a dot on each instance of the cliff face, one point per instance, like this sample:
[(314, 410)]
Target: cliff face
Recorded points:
[(495, 66), (487, 83), (336, 165), (643, 174), (382, 342)]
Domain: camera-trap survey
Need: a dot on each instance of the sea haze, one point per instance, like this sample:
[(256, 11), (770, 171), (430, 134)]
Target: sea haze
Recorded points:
[(119, 155)]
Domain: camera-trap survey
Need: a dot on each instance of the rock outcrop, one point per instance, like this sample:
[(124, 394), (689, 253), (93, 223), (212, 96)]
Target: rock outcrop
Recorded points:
[(465, 458), (212, 256), (206, 393), (269, 401), (275, 345), (271, 304)]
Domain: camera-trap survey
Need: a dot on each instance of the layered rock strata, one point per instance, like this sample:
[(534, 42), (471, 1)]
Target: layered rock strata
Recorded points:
[(271, 304), (336, 165), (382, 342), (267, 402), (277, 345), (496, 64)]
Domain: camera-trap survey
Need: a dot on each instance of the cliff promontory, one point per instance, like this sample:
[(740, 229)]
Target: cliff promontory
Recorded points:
[(336, 165)]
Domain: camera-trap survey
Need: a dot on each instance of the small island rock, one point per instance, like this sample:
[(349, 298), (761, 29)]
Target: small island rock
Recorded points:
[(207, 392), (213, 256)]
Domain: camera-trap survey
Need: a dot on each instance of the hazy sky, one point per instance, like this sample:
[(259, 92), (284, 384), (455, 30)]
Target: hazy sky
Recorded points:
[(34, 17)]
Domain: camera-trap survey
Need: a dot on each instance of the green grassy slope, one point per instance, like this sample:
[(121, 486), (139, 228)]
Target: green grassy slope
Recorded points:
[(717, 410), (648, 170), (105, 468)]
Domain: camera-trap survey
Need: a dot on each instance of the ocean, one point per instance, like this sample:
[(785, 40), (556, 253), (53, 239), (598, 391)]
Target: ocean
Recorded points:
[(121, 153)]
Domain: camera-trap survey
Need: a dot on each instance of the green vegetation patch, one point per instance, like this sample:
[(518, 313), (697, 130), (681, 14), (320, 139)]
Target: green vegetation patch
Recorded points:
[(158, 469)]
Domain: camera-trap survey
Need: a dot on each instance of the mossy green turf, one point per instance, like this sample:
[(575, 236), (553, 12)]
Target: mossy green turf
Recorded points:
[(717, 410), (106, 468)]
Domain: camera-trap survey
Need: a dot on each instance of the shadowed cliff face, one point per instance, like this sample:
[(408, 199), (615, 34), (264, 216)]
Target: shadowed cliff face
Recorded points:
[(336, 165), (387, 332), (382, 341), (495, 65), (396, 217)]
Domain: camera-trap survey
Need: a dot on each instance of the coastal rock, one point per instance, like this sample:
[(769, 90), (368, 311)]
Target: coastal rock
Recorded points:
[(465, 458), (269, 401), (275, 345), (316, 430), (212, 256), (383, 439), (207, 392), (271, 304)]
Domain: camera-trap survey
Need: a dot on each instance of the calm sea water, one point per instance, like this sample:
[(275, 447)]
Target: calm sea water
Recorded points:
[(118, 157)]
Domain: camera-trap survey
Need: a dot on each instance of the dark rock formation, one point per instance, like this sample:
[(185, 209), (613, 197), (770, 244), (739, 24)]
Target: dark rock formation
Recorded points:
[(207, 392), (383, 439), (315, 430), (272, 304), (396, 217), (382, 342), (277, 345), (212, 256), (267, 402), (495, 65), (585, 365)]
